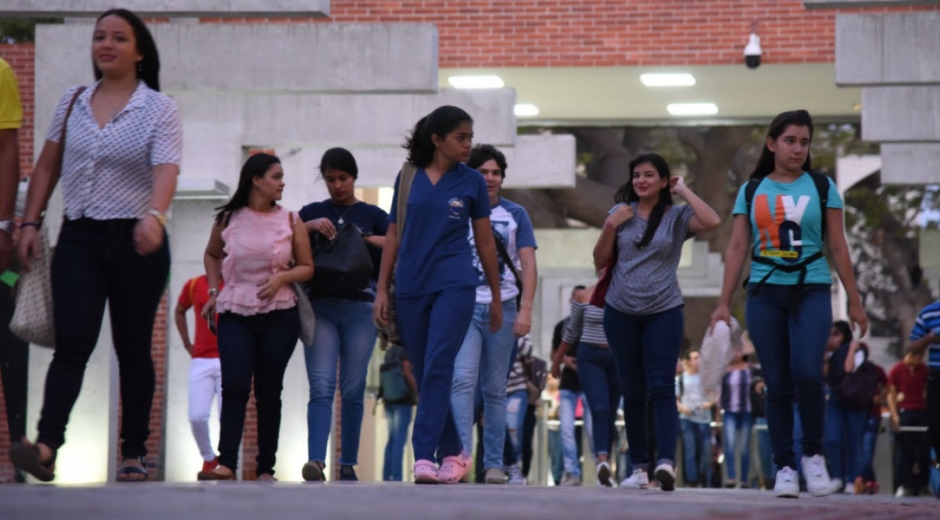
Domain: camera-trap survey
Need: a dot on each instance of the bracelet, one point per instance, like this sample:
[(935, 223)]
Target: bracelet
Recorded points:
[(27, 224), (213, 292), (159, 215)]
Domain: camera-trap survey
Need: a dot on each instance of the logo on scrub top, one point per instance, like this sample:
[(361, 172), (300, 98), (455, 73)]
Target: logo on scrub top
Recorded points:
[(454, 208)]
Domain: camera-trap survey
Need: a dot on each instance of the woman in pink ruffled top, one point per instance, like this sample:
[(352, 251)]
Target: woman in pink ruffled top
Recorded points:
[(260, 249)]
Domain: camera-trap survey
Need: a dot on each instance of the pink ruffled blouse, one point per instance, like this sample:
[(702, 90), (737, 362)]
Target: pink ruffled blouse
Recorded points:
[(257, 245)]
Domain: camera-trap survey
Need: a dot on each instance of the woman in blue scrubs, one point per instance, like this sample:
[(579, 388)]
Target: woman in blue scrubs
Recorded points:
[(435, 281)]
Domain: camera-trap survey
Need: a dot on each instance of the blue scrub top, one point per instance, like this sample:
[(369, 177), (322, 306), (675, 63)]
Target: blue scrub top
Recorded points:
[(435, 254)]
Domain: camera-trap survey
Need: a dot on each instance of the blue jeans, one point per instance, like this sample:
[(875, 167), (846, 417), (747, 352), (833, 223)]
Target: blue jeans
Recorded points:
[(737, 433), (484, 357), (767, 468), (345, 335), (567, 407), (790, 328), (869, 441), (517, 403), (433, 327), (556, 459), (398, 417), (646, 349), (256, 347), (598, 375), (696, 451), (843, 439)]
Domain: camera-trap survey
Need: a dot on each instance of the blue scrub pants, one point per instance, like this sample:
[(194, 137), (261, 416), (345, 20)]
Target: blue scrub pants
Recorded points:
[(433, 327)]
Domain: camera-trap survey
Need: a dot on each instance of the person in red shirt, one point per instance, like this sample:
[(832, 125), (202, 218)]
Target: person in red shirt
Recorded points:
[(205, 373), (907, 401)]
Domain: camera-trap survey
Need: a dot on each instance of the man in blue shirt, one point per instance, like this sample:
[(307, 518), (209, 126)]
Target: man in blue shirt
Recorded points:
[(925, 339)]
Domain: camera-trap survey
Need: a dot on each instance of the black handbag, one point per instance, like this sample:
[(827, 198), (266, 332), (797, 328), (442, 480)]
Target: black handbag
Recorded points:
[(342, 266)]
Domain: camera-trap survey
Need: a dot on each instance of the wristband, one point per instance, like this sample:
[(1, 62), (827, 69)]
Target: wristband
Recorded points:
[(27, 224)]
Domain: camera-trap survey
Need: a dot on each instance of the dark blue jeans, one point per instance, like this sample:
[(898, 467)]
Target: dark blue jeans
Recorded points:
[(646, 349), (696, 452), (843, 439), (433, 327), (598, 374), (790, 328), (869, 441), (256, 346), (398, 416), (95, 262)]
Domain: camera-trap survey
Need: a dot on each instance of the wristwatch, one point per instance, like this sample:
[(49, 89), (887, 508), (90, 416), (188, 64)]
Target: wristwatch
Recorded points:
[(7, 226)]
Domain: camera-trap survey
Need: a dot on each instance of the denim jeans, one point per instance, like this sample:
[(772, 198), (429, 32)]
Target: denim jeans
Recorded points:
[(95, 262), (433, 327), (790, 328), (570, 442), (344, 336), (696, 451), (556, 460), (258, 347), (398, 417), (737, 433), (767, 468), (516, 405), (869, 441), (484, 359), (646, 349), (598, 374), (843, 439)]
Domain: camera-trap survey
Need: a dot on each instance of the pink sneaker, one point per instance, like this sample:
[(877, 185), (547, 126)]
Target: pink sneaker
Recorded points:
[(426, 472), (454, 468)]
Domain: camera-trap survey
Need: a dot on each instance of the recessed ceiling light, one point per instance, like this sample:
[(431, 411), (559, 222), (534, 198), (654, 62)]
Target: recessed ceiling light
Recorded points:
[(667, 80), (692, 109), (476, 81), (526, 110)]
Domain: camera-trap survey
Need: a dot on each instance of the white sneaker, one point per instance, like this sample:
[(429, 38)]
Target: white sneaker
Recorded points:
[(603, 475), (849, 489), (666, 477), (515, 475), (787, 484), (638, 480), (817, 478), (571, 480)]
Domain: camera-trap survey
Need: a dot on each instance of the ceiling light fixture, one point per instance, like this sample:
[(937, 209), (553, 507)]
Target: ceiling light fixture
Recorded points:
[(668, 80), (692, 109), (476, 81), (526, 110)]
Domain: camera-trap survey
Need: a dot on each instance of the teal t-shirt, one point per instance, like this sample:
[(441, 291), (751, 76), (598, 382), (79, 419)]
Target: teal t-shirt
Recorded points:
[(786, 225)]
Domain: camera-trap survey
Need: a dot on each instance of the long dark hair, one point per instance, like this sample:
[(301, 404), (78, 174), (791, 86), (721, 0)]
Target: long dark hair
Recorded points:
[(626, 194), (442, 121), (778, 126), (148, 69), (845, 329), (256, 166)]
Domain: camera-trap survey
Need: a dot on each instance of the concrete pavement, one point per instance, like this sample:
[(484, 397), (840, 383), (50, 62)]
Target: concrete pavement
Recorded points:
[(390, 501)]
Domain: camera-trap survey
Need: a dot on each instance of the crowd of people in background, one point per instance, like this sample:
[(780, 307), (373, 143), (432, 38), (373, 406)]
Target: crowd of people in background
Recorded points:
[(449, 297)]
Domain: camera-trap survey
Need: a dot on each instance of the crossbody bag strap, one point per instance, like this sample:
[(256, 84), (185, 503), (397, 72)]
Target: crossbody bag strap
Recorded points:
[(65, 124), (405, 180), (504, 254)]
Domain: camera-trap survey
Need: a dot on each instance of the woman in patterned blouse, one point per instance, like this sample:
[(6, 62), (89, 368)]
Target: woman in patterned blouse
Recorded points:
[(118, 168)]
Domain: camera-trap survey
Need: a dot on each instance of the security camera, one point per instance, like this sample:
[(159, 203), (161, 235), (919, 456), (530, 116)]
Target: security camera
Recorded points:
[(752, 52)]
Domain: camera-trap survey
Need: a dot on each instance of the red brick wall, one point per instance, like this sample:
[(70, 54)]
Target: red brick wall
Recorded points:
[(601, 33)]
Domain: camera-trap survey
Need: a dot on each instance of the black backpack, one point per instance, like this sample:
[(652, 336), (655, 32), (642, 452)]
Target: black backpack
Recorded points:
[(822, 189), (857, 389)]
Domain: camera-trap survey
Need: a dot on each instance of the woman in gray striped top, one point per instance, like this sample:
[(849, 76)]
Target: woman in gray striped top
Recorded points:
[(598, 374)]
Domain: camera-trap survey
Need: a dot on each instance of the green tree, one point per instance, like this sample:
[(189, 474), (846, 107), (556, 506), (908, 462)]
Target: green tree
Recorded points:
[(21, 30)]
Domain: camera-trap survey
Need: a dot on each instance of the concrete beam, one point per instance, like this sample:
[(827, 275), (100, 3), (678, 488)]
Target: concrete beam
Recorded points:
[(839, 4), (901, 114), (167, 8), (888, 49), (350, 58), (910, 163)]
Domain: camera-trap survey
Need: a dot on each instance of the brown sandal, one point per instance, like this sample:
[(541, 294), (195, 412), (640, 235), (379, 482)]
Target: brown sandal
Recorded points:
[(26, 456), (213, 475)]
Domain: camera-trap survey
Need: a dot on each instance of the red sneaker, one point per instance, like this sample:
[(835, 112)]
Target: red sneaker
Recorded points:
[(208, 466)]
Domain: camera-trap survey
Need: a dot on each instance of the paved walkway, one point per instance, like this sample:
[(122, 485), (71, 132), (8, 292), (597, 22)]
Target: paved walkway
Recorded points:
[(388, 501)]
